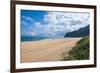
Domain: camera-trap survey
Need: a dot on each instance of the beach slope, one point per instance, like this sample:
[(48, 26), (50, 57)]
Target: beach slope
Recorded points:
[(46, 50)]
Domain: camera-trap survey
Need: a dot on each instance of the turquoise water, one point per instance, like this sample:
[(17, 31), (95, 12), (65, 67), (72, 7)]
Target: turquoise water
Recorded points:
[(26, 38)]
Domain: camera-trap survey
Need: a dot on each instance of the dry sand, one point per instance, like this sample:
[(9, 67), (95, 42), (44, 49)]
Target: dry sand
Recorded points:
[(46, 50)]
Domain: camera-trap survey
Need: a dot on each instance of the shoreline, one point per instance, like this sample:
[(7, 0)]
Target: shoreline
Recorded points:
[(68, 38)]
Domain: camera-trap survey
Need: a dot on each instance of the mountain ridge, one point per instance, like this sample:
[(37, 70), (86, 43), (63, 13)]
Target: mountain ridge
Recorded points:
[(78, 33)]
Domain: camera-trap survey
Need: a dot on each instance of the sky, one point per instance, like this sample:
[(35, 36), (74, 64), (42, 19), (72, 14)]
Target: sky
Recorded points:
[(51, 23)]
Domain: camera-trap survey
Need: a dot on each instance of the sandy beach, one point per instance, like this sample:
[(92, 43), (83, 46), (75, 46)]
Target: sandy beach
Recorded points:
[(46, 50)]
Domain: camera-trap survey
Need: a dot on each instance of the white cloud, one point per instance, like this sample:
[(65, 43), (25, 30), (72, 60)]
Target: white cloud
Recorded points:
[(37, 25), (24, 23), (30, 19), (67, 21), (27, 19), (32, 33), (28, 33)]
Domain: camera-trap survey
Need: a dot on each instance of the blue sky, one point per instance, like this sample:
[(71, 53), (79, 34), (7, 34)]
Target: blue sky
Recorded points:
[(51, 23), (35, 15)]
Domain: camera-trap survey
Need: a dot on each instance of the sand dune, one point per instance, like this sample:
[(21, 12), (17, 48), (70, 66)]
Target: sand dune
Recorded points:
[(46, 50)]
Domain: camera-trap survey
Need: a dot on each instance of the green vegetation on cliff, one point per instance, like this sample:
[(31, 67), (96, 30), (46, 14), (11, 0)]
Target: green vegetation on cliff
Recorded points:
[(80, 51)]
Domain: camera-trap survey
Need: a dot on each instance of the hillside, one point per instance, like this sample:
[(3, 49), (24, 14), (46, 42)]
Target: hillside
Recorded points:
[(80, 51), (78, 33)]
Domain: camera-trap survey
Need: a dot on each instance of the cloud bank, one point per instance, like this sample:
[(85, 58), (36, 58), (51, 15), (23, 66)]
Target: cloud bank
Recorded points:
[(55, 24)]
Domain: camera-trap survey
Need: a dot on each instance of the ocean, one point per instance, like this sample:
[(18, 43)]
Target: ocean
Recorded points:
[(28, 38)]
